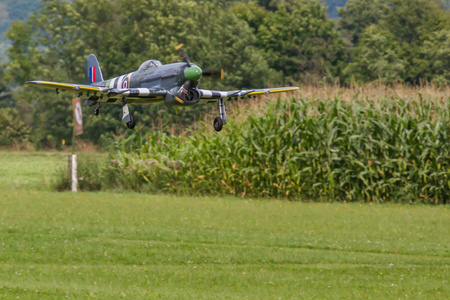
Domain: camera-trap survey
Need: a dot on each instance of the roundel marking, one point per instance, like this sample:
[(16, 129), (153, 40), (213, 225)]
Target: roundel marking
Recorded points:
[(126, 82)]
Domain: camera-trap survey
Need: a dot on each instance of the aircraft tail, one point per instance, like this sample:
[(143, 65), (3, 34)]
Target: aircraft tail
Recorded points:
[(92, 71)]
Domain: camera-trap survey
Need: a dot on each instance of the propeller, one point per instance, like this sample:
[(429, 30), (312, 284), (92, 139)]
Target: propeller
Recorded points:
[(184, 54), (193, 71), (193, 74)]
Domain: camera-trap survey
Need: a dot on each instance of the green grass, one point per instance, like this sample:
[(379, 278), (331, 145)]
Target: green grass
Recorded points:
[(34, 170), (107, 245), (29, 170)]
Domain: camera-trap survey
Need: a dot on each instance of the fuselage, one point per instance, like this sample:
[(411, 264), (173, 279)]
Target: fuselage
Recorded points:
[(152, 75)]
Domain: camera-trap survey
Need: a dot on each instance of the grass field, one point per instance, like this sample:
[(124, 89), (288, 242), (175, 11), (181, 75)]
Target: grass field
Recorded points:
[(128, 245), (29, 170)]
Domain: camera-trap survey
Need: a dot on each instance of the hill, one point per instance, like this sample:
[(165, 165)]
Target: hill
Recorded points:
[(13, 10)]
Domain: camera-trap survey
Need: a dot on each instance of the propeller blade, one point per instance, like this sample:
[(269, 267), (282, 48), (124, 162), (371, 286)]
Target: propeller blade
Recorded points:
[(214, 73), (184, 54)]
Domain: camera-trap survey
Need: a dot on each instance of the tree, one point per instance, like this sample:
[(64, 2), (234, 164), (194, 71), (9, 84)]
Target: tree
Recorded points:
[(252, 13), (376, 58), (436, 51), (409, 20), (411, 23), (404, 24), (14, 130), (23, 54), (6, 99), (359, 14), (298, 38)]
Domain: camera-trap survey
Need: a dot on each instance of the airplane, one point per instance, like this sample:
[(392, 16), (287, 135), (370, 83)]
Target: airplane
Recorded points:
[(176, 84)]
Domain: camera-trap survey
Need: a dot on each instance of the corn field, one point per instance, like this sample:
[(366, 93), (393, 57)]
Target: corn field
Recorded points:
[(394, 150)]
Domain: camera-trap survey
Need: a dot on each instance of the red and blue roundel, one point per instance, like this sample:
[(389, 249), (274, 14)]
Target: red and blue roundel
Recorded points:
[(126, 82)]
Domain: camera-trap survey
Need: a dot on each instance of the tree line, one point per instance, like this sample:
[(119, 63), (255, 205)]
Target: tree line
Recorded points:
[(256, 43)]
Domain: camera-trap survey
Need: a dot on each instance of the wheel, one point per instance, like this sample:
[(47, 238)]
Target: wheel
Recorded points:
[(96, 111), (218, 124), (132, 122)]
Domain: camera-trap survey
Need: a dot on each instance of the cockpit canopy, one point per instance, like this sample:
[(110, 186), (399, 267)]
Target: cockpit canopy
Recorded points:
[(149, 64)]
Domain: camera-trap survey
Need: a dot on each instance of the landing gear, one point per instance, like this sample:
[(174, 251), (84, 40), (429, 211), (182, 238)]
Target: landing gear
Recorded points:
[(132, 122), (218, 124), (222, 119), (126, 116), (97, 110)]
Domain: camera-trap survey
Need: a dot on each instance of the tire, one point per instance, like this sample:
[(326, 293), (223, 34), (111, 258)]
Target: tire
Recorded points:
[(132, 122), (218, 124)]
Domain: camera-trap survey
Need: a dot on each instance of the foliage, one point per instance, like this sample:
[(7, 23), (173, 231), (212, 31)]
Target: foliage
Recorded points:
[(6, 99), (310, 50), (53, 115), (411, 23), (436, 50), (410, 20), (23, 55), (359, 14), (89, 168), (13, 130), (402, 29), (310, 150), (121, 39), (376, 58)]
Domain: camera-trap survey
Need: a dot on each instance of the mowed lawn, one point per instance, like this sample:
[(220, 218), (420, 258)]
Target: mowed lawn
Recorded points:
[(127, 245)]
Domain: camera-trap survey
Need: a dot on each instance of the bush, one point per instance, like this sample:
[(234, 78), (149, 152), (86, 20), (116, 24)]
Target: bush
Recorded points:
[(13, 130), (90, 175)]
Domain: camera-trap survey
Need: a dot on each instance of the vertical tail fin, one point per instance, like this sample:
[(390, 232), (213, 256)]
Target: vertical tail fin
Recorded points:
[(92, 71)]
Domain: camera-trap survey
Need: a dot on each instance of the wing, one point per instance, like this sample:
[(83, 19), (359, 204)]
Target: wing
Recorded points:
[(210, 96), (63, 87), (103, 94)]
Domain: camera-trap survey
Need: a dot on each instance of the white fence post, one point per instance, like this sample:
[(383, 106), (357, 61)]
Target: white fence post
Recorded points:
[(74, 173)]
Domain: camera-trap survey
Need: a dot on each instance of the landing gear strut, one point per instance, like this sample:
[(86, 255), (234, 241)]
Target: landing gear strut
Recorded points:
[(222, 119), (126, 116)]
